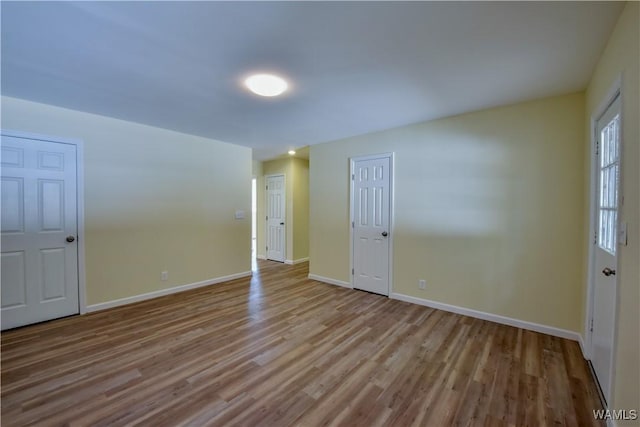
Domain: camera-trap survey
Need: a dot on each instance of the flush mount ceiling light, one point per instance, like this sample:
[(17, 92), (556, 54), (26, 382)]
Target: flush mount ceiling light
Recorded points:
[(266, 84), (292, 152)]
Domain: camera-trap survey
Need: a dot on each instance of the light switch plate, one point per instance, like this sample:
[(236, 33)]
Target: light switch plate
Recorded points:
[(239, 214)]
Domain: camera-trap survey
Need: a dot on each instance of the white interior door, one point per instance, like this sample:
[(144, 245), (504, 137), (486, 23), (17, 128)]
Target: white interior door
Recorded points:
[(606, 248), (371, 208), (39, 229), (276, 208)]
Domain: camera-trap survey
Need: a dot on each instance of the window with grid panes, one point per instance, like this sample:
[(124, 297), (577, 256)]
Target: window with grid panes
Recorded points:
[(609, 167)]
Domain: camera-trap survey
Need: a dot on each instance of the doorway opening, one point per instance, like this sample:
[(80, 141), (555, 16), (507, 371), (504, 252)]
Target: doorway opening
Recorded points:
[(275, 219), (254, 230)]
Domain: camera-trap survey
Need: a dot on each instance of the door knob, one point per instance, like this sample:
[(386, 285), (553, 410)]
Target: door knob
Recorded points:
[(71, 239), (608, 272), (282, 223), (384, 234)]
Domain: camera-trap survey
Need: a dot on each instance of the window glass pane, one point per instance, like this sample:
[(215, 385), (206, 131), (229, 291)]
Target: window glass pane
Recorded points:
[(613, 219), (604, 146), (612, 187), (609, 229), (607, 226), (612, 144), (616, 138), (604, 183), (603, 229), (603, 186), (608, 186), (616, 184)]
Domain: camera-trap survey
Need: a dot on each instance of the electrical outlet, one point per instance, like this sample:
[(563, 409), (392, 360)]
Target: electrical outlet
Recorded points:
[(422, 284), (164, 276)]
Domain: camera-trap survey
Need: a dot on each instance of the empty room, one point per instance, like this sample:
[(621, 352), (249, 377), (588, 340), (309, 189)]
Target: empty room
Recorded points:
[(310, 213)]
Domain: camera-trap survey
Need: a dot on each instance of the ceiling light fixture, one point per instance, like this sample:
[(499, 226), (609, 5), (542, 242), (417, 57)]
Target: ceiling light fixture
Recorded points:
[(266, 84), (292, 152)]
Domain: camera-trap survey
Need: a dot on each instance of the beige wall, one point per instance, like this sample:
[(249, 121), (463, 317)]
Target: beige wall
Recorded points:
[(154, 200), (296, 173), (488, 209), (620, 58), (300, 208)]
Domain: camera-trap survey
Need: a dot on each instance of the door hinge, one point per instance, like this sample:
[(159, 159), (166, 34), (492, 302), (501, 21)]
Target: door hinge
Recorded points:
[(595, 237), (267, 187), (266, 218), (353, 177), (353, 224), (591, 327), (352, 272), (267, 247), (597, 147)]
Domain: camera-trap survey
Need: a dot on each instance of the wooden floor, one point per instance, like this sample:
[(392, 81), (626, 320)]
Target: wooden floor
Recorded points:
[(280, 349)]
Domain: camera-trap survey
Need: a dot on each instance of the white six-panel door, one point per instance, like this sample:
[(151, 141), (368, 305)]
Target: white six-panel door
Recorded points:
[(276, 206), (371, 208), (39, 278)]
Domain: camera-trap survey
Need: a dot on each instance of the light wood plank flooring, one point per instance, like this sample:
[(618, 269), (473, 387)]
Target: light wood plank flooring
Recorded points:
[(280, 349)]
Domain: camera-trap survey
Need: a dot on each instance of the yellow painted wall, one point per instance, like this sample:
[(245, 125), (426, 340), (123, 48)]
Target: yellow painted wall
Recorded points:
[(154, 200), (300, 208), (621, 57), (488, 209)]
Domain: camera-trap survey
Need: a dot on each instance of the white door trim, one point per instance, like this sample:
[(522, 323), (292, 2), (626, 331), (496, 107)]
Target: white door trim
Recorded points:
[(82, 286), (612, 93), (352, 162), (286, 218)]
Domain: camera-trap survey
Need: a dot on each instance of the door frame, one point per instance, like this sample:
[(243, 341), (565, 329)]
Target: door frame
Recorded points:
[(79, 144), (351, 178), (614, 91), (286, 217)]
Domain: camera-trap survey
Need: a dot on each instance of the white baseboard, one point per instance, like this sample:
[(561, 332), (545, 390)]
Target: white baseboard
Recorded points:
[(163, 292), (261, 256), (330, 281), (583, 347), (536, 327), (296, 261)]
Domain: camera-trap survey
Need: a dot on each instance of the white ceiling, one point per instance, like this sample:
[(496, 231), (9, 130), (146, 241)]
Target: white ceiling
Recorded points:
[(354, 67)]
